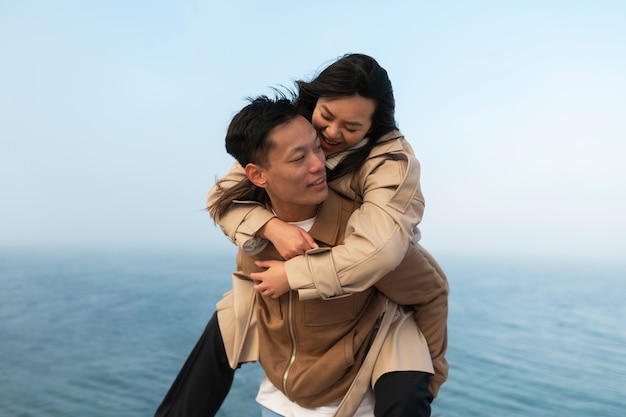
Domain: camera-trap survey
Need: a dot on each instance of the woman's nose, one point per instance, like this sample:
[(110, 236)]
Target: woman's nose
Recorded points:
[(332, 131)]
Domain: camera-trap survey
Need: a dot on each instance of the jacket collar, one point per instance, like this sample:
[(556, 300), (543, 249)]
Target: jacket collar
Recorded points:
[(391, 142), (327, 224)]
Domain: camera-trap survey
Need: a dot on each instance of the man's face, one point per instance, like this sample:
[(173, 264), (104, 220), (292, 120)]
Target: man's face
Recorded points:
[(295, 175)]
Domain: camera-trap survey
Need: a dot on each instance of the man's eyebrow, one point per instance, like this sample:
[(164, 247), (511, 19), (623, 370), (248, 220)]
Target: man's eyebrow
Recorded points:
[(347, 122)]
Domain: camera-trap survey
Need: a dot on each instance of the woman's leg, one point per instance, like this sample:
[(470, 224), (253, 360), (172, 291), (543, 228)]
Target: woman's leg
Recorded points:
[(204, 380), (402, 394)]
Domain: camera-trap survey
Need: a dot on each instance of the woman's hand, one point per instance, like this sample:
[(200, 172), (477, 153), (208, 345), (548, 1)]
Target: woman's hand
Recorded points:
[(289, 240), (273, 281)]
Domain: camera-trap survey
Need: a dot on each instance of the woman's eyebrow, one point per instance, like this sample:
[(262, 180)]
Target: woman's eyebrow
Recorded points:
[(327, 110)]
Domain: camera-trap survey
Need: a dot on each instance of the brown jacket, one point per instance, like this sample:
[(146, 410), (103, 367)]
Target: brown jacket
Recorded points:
[(330, 338), (312, 349)]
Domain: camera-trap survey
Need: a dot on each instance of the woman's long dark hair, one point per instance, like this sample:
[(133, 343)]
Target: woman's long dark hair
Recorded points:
[(243, 191), (349, 75)]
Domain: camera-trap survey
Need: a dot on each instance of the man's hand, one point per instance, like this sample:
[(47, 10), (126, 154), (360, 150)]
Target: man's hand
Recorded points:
[(289, 240), (271, 282)]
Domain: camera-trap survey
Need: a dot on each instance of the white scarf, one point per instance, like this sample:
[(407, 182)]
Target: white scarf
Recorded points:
[(333, 161)]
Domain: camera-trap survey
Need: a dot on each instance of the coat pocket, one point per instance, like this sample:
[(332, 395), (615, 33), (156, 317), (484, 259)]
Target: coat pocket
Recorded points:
[(327, 312)]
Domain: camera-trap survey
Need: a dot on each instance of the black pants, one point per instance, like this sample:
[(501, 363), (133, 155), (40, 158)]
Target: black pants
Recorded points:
[(206, 377), (204, 380), (402, 394)]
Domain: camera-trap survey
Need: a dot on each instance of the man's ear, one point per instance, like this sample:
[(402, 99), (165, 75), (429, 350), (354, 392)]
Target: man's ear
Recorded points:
[(255, 175)]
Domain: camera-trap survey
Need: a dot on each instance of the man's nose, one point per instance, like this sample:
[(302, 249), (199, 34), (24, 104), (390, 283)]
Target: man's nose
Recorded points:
[(318, 164)]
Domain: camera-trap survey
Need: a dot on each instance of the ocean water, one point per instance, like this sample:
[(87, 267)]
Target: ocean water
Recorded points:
[(104, 333)]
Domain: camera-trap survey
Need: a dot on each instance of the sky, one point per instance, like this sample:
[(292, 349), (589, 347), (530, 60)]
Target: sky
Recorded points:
[(113, 115)]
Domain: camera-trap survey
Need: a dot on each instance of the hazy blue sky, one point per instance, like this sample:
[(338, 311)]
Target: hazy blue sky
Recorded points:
[(113, 114)]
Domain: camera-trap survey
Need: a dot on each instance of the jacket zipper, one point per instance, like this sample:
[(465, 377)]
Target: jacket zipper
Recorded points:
[(292, 335)]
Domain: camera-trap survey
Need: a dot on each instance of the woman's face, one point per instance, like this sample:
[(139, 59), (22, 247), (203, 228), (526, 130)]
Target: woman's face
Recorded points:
[(342, 122)]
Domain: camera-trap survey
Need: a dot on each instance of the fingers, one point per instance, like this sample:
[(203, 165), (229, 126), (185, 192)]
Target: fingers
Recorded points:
[(310, 241), (262, 289), (263, 264), (266, 292)]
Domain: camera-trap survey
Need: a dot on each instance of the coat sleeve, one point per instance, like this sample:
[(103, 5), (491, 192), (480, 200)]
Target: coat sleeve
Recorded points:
[(378, 234), (244, 218)]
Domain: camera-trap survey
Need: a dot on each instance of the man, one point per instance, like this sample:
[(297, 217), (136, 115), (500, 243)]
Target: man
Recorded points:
[(284, 168)]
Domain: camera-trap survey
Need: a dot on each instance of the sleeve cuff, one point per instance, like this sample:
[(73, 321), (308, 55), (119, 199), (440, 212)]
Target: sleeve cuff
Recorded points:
[(313, 275), (250, 225)]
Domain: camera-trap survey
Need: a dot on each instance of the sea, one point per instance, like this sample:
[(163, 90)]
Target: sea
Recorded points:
[(87, 332)]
